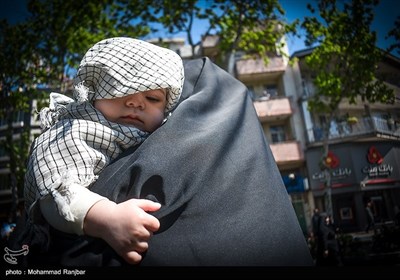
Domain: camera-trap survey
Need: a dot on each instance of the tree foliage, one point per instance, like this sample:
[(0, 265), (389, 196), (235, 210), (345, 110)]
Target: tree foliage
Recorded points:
[(346, 56), (68, 28), (254, 27), (15, 90), (344, 61)]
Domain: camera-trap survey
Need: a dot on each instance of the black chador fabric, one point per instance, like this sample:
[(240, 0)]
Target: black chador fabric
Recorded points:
[(223, 199)]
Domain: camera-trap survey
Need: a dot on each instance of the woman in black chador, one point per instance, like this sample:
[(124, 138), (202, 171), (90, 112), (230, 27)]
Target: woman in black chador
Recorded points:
[(331, 249)]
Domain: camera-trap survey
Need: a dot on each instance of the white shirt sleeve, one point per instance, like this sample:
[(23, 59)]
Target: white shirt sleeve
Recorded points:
[(81, 200)]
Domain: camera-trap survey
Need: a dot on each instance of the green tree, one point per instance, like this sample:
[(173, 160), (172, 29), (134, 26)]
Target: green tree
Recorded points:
[(16, 87), (255, 27), (68, 28), (344, 62)]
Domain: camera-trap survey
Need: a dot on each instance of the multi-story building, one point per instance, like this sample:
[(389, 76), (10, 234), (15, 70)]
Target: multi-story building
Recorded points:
[(365, 145)]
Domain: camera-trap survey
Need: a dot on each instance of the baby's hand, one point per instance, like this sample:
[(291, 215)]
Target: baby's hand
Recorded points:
[(126, 227)]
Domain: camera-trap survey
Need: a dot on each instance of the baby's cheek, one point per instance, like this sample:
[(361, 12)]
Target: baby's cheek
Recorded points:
[(157, 121)]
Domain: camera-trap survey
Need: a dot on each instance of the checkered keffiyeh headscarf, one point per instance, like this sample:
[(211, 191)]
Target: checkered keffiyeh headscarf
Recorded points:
[(79, 141), (119, 66)]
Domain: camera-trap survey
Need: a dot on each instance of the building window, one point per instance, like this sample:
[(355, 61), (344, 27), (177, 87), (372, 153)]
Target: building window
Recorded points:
[(263, 92), (18, 116), (270, 91), (4, 182), (346, 213), (3, 151), (278, 133)]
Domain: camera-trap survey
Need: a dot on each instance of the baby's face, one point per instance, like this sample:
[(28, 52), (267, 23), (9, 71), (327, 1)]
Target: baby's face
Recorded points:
[(143, 110)]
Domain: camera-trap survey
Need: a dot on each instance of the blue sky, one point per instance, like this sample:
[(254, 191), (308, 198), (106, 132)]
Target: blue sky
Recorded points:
[(384, 18), (385, 15)]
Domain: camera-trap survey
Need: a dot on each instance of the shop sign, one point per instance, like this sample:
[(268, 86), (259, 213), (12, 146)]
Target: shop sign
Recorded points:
[(338, 173), (376, 168), (332, 161)]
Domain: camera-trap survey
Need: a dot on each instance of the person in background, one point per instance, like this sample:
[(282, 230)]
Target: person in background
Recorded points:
[(370, 217), (331, 248), (316, 221)]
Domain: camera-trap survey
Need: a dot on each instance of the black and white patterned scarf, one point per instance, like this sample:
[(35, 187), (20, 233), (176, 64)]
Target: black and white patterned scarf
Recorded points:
[(78, 141)]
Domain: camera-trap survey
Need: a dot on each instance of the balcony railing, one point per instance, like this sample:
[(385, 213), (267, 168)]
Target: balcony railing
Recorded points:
[(365, 126), (257, 66), (289, 152), (272, 108)]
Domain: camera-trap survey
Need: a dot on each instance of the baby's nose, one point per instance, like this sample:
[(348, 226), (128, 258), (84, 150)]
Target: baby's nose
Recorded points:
[(135, 101)]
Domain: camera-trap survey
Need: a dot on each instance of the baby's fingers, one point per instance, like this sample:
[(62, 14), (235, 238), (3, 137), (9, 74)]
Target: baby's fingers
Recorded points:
[(132, 257), (147, 205)]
